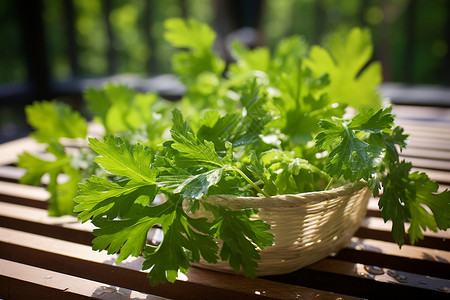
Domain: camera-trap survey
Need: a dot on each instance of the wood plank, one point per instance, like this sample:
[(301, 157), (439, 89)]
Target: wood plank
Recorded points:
[(414, 259), (79, 260), (435, 175), (354, 278), (26, 195), (34, 220), (10, 151), (11, 173), (436, 128), (420, 95), (424, 144), (428, 153), (430, 164), (417, 285), (67, 228), (379, 224), (427, 133), (378, 230), (21, 281)]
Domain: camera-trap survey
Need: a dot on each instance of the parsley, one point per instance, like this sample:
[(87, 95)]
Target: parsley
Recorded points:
[(365, 148), (187, 238), (53, 121), (273, 125)]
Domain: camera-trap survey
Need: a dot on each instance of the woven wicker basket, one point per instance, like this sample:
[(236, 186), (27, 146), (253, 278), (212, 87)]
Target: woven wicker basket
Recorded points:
[(307, 227)]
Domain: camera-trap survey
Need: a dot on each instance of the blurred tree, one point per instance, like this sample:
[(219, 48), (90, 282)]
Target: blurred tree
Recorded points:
[(12, 65), (91, 38)]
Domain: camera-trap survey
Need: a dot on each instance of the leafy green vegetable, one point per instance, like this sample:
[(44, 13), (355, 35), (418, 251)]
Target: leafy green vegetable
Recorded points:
[(118, 107), (62, 193), (139, 117), (187, 238), (274, 124), (201, 64), (353, 157), (345, 60), (365, 148), (52, 121)]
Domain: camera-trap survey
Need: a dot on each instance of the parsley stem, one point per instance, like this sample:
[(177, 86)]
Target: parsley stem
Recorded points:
[(329, 184), (251, 182)]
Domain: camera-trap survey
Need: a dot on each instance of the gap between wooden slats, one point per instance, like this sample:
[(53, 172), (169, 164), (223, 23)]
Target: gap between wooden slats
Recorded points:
[(414, 259), (79, 260), (19, 281)]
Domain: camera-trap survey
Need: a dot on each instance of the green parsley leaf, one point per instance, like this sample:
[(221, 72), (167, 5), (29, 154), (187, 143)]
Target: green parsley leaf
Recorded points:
[(189, 34), (350, 82), (53, 121), (185, 240), (197, 186), (241, 236), (201, 59), (121, 159), (61, 193), (127, 236), (403, 200), (351, 156), (100, 197), (192, 151)]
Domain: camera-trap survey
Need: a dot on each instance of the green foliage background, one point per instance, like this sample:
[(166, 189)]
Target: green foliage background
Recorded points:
[(389, 21)]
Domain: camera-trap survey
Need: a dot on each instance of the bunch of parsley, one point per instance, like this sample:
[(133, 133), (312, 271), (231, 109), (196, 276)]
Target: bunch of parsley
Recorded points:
[(68, 159), (274, 124)]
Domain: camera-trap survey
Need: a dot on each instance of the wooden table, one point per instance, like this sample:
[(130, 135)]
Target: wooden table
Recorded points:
[(45, 257)]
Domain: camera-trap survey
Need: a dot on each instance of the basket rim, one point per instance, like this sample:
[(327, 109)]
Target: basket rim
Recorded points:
[(286, 200)]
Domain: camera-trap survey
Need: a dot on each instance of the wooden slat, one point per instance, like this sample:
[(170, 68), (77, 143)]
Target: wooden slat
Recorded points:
[(32, 196), (433, 164), (419, 260), (79, 260), (34, 220), (67, 228), (20, 281), (390, 250), (435, 175), (413, 285), (438, 130), (11, 173), (10, 151), (379, 224), (354, 278), (428, 143), (429, 153)]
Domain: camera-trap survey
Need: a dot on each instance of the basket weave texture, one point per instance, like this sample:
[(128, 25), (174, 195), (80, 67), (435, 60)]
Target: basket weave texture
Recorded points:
[(307, 227)]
